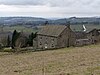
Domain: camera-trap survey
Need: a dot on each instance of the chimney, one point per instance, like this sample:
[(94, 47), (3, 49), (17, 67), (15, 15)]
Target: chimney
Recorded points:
[(84, 28), (46, 23), (68, 24)]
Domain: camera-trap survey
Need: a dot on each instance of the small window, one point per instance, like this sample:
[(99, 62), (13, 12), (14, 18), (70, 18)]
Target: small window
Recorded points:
[(52, 45), (40, 43), (40, 37), (60, 35), (53, 40), (77, 42), (46, 45), (46, 38), (46, 42), (92, 34)]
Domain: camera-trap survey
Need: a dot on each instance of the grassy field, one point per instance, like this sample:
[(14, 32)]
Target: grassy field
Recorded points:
[(29, 29), (67, 61), (88, 27), (19, 28)]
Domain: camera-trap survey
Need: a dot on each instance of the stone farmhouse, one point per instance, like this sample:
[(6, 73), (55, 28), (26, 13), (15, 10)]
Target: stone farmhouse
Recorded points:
[(54, 36), (81, 39)]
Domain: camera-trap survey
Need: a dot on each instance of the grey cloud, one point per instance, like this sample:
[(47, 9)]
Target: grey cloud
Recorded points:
[(86, 2), (51, 7), (55, 3), (48, 2), (21, 2)]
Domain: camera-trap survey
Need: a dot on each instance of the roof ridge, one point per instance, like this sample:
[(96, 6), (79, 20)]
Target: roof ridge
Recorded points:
[(52, 30)]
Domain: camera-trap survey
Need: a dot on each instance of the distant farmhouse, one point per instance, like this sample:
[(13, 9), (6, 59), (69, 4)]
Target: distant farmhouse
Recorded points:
[(87, 37), (94, 36), (54, 36)]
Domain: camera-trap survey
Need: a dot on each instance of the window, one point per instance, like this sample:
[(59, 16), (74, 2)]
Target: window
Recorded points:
[(53, 45), (53, 39), (92, 34), (60, 35), (46, 38), (40, 43), (77, 42), (46, 45), (46, 42), (40, 37)]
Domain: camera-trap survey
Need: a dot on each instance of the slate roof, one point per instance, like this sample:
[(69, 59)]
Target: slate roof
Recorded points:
[(52, 30)]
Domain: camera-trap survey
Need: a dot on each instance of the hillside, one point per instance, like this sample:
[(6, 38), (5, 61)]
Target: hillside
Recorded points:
[(21, 20), (35, 21), (67, 61)]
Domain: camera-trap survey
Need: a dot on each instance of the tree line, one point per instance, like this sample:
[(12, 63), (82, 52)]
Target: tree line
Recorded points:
[(17, 35)]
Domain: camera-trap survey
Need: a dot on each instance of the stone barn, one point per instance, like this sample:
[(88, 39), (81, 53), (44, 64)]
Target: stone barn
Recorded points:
[(82, 42), (94, 36), (88, 37), (54, 36), (81, 38)]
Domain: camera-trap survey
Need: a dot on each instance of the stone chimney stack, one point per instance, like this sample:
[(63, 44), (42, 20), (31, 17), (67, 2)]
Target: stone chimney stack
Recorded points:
[(46, 23), (68, 24)]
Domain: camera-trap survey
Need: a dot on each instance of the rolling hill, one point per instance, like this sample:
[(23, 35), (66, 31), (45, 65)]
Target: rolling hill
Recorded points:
[(34, 21)]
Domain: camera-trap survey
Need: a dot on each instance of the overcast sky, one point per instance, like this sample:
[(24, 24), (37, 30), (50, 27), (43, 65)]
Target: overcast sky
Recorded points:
[(50, 8)]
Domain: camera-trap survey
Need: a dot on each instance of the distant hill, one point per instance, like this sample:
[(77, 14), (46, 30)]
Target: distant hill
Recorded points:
[(77, 21), (21, 20), (34, 21)]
